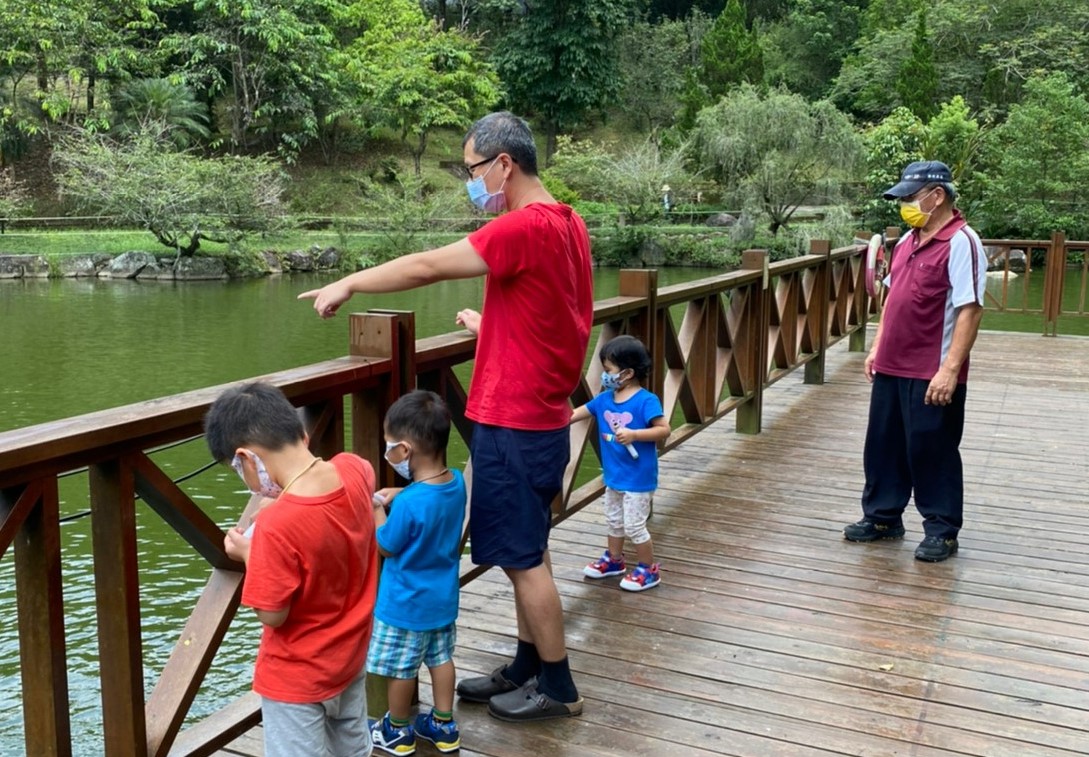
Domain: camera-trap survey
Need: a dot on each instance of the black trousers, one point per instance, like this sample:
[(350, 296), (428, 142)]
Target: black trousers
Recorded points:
[(913, 448)]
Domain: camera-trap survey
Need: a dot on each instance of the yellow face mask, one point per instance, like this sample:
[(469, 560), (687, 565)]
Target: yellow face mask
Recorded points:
[(913, 214)]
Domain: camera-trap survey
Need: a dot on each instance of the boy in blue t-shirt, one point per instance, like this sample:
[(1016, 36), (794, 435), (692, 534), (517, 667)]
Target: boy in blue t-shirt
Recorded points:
[(631, 422), (418, 591)]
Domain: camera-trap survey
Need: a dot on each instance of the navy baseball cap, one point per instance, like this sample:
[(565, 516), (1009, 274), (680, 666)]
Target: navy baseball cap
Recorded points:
[(921, 174)]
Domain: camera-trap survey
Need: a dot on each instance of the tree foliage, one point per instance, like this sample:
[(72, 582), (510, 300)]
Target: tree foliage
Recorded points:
[(12, 195), (1040, 162), (631, 178), (653, 74), (415, 77), (917, 79), (730, 52), (171, 104), (560, 61), (776, 151), (805, 50), (180, 198)]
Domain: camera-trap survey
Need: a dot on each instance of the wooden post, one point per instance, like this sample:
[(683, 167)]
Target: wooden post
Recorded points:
[(1053, 282), (818, 310), (757, 316), (40, 603), (117, 591), (856, 342), (381, 335), (644, 326), (378, 335)]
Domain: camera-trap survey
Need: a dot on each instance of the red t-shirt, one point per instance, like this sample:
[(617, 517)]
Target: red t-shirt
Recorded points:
[(318, 555), (536, 319)]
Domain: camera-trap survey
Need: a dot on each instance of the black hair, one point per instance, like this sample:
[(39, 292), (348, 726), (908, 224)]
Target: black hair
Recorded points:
[(422, 418), (252, 414), (627, 352), (504, 132)]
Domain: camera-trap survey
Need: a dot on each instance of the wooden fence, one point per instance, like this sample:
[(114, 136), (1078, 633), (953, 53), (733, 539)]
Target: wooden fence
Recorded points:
[(717, 343)]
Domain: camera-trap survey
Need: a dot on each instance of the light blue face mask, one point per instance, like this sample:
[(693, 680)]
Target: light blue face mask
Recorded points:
[(489, 202)]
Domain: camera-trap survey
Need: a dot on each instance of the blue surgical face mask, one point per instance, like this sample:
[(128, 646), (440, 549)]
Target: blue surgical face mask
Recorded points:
[(402, 468), (266, 486), (490, 202)]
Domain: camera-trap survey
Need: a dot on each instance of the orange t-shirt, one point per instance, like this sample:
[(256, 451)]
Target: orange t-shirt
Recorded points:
[(318, 555)]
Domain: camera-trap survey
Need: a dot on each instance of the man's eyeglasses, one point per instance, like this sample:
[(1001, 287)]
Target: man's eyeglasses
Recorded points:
[(470, 168)]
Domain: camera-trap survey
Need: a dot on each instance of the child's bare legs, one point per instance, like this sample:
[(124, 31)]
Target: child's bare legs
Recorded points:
[(616, 546), (645, 552), (442, 686), (401, 692)]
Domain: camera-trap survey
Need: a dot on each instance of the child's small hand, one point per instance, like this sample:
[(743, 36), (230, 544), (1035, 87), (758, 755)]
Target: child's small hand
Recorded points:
[(385, 496), (625, 435), (468, 318), (237, 545)]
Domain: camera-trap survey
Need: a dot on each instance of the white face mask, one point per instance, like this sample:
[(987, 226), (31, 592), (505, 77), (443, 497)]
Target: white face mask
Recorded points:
[(402, 468), (266, 486)]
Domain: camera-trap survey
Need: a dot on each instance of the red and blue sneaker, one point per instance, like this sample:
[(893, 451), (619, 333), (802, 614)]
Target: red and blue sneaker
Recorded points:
[(604, 566), (642, 578)]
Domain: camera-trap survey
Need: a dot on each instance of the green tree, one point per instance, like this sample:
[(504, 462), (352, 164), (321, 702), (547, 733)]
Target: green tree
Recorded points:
[(955, 137), (1039, 163), (559, 62), (271, 60), (415, 77), (900, 138), (804, 51), (731, 52), (180, 198), (652, 77), (917, 80), (630, 178), (171, 104), (777, 151)]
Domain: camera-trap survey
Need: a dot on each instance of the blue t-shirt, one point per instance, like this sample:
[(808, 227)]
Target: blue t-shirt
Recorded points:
[(418, 590), (623, 472)]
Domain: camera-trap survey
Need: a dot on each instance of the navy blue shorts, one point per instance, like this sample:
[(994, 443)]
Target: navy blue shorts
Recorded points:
[(516, 475)]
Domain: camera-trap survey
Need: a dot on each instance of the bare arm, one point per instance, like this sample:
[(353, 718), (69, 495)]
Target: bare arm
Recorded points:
[(274, 618), (655, 432), (965, 329), (580, 413), (454, 261)]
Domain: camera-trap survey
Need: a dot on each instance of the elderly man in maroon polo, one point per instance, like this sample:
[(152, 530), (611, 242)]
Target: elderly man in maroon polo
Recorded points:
[(918, 366)]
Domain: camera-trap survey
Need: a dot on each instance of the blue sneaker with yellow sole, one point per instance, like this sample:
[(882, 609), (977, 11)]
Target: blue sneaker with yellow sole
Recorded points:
[(392, 739), (443, 734)]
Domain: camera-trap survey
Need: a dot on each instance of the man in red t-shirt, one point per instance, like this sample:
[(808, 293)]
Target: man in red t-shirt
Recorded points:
[(532, 336), (311, 573)]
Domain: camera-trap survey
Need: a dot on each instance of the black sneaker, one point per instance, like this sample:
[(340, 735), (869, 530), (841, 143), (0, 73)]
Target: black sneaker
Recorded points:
[(936, 549), (867, 530)]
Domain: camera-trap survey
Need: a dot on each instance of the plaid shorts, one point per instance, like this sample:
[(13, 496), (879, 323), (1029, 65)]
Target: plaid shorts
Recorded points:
[(398, 652)]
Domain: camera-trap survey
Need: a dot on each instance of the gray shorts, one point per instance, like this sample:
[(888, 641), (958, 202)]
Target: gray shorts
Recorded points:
[(335, 726)]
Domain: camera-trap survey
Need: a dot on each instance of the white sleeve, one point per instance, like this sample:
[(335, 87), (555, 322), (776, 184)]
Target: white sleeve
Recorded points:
[(967, 268)]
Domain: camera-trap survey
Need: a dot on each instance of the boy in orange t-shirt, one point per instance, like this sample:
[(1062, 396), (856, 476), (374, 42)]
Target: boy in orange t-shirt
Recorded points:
[(311, 573)]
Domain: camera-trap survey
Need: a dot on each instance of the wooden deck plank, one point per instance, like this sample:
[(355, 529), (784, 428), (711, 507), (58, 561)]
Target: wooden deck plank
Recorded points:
[(771, 636)]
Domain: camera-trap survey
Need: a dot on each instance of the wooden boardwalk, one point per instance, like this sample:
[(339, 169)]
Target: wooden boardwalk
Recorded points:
[(771, 636)]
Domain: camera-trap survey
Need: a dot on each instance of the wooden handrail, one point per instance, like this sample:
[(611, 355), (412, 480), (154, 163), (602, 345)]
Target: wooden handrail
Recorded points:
[(716, 344)]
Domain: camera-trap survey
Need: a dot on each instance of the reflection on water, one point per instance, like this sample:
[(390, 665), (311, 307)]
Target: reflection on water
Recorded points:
[(74, 346)]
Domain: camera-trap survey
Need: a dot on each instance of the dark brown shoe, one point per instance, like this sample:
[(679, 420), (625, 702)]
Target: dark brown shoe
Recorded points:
[(527, 703), (483, 688)]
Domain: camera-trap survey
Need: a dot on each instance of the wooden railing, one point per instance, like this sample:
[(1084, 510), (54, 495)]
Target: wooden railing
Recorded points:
[(717, 343), (1015, 261)]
